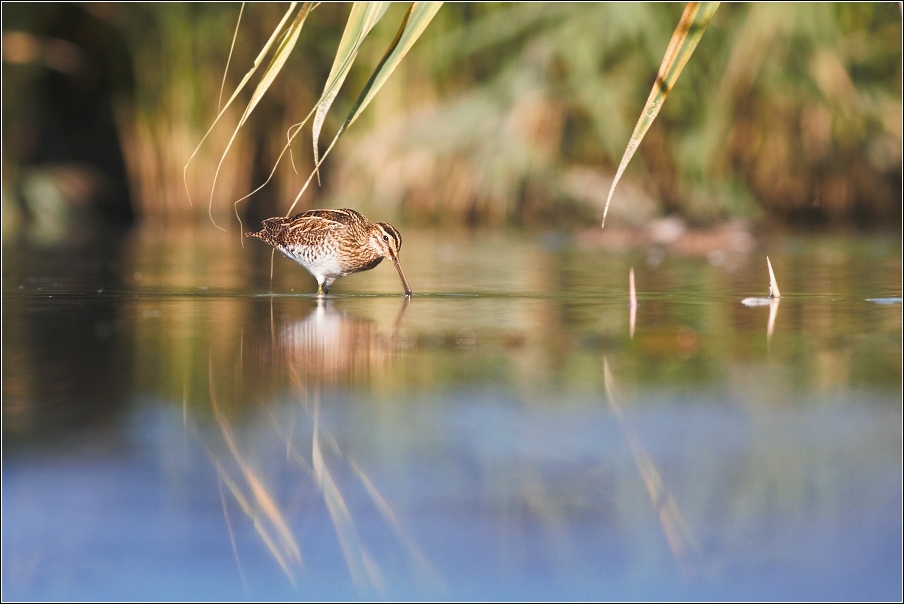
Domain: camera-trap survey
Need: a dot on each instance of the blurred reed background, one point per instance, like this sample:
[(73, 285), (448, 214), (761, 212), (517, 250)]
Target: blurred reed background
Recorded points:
[(501, 114)]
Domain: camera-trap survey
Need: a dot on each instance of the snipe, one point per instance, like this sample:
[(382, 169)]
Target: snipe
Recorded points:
[(333, 243)]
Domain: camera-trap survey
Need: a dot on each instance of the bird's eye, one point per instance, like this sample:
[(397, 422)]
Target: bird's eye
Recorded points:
[(385, 237)]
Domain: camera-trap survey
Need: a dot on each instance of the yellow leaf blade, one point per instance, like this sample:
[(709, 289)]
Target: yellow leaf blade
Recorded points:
[(416, 21), (279, 59), (257, 63), (413, 25), (276, 64), (361, 20), (684, 40)]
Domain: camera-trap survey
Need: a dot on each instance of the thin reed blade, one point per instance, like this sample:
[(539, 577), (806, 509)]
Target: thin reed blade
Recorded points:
[(257, 62), (773, 284), (276, 64), (413, 25), (684, 40), (361, 20)]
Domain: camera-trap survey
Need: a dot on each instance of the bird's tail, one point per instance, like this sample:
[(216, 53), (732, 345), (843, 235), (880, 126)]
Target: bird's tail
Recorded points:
[(271, 226)]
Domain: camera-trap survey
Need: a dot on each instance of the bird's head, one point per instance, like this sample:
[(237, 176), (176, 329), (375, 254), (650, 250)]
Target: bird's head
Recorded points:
[(386, 240)]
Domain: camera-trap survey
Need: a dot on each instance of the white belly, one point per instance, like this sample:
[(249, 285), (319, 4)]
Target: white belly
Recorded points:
[(322, 265)]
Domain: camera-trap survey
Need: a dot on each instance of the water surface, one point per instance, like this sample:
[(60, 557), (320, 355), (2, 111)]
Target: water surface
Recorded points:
[(177, 426)]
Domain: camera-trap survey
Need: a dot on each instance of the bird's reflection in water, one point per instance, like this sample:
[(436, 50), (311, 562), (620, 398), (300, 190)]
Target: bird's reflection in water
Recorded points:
[(330, 347), (325, 349)]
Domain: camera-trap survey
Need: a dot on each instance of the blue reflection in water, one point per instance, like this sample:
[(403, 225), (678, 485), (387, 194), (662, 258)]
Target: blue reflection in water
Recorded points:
[(495, 500)]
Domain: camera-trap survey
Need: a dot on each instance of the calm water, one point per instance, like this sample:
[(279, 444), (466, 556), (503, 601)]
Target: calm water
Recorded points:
[(173, 430)]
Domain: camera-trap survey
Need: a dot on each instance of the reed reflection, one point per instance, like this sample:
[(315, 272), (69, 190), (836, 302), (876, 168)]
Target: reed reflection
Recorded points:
[(773, 301), (326, 349), (773, 313), (676, 530), (632, 303), (256, 500)]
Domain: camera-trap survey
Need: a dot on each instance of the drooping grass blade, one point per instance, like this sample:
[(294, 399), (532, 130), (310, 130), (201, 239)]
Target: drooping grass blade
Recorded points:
[(363, 17), (416, 21), (276, 64), (257, 62), (684, 40), (413, 25)]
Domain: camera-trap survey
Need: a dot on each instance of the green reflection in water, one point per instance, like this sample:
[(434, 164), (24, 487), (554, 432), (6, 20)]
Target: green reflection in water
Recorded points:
[(496, 310)]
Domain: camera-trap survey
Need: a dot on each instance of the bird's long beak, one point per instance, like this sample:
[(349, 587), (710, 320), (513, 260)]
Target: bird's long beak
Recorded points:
[(401, 274)]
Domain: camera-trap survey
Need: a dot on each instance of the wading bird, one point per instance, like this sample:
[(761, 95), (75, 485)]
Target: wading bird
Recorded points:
[(333, 243)]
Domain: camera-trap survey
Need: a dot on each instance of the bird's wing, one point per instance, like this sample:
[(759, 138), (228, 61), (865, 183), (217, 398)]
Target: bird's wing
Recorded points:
[(311, 222), (344, 216)]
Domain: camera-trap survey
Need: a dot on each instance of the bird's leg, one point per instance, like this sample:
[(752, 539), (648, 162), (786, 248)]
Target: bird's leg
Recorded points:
[(322, 290)]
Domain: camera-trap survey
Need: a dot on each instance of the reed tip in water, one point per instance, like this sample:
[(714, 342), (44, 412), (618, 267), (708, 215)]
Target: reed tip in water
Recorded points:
[(773, 284)]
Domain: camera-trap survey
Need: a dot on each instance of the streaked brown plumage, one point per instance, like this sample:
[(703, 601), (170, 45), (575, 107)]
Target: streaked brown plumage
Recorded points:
[(333, 243)]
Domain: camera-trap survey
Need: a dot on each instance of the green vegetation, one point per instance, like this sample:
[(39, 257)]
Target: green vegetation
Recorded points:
[(514, 113), (785, 109)]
